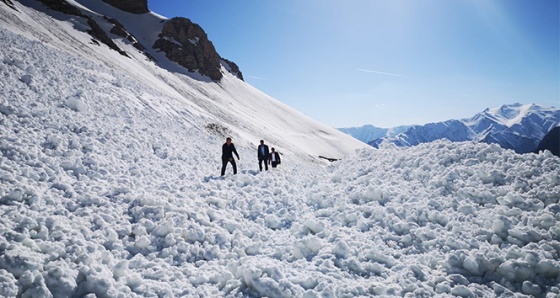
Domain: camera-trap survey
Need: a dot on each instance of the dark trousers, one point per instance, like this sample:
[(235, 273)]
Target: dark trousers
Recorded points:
[(261, 160), (224, 165), (274, 164)]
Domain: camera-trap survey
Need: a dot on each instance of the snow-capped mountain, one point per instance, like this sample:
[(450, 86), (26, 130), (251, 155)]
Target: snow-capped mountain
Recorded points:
[(229, 107), (367, 133), (110, 185), (515, 126)]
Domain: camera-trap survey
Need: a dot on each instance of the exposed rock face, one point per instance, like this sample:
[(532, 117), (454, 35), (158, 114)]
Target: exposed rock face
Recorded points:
[(181, 40), (96, 31), (551, 142), (119, 30), (187, 44), (132, 6), (62, 6), (233, 68), (10, 4)]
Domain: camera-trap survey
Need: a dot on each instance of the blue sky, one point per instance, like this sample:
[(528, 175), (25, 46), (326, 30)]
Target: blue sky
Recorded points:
[(387, 63)]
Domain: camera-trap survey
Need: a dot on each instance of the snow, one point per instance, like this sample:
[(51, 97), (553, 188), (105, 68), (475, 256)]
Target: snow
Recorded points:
[(511, 114), (514, 126), (110, 187)]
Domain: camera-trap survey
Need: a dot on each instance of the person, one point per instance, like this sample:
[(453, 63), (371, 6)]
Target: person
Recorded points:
[(274, 158), (262, 155), (228, 149)]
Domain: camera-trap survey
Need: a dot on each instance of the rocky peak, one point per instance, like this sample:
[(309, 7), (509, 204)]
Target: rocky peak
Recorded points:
[(233, 68), (132, 6), (186, 43), (181, 40)]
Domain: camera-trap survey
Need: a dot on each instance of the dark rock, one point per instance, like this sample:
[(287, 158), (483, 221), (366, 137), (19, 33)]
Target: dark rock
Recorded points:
[(62, 6), (182, 41), (119, 30), (186, 43), (218, 129), (233, 68), (551, 142), (138, 46), (97, 32), (132, 6), (329, 158), (10, 4)]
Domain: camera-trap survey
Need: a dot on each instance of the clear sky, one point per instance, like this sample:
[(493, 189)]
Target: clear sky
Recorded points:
[(390, 62)]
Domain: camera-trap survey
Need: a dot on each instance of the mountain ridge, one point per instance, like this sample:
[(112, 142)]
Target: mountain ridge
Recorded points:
[(512, 126)]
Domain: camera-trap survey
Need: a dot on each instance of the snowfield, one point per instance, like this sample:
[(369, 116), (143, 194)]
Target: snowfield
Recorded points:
[(110, 188)]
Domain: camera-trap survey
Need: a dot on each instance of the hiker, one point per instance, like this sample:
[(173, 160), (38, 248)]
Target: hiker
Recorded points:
[(262, 155), (274, 158), (228, 149)]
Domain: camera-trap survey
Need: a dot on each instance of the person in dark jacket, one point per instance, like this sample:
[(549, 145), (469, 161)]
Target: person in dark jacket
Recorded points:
[(274, 158), (262, 155), (228, 149)]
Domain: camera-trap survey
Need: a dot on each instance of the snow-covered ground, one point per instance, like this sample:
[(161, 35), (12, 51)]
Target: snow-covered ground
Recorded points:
[(110, 187)]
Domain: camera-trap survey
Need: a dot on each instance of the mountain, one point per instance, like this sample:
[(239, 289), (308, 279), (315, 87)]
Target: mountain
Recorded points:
[(224, 107), (515, 126), (110, 184), (551, 142), (368, 132)]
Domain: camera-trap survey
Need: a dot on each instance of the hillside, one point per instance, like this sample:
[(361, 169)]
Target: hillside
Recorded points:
[(110, 187), (229, 107)]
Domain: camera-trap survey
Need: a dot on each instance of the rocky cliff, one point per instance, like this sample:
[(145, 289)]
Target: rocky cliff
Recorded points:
[(181, 40), (187, 44)]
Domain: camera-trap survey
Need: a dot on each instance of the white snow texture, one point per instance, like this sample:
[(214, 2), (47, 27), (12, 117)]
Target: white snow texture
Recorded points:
[(110, 187)]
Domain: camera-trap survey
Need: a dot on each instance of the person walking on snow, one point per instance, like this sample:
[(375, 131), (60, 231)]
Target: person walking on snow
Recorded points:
[(262, 155), (274, 158), (228, 149)]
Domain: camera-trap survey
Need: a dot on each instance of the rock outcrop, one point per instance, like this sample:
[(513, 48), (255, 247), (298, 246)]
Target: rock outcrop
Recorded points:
[(181, 40), (97, 32), (95, 29), (62, 6), (551, 142), (186, 43), (10, 4), (132, 6), (233, 68), (119, 30)]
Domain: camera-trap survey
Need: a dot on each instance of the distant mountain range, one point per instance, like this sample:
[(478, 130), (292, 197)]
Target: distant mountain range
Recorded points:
[(514, 126)]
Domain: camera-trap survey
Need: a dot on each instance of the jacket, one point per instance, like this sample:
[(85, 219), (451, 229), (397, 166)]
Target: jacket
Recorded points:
[(228, 151), (260, 154), (276, 157)]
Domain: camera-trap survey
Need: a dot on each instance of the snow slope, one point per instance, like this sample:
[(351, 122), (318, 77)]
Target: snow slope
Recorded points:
[(239, 110), (109, 187)]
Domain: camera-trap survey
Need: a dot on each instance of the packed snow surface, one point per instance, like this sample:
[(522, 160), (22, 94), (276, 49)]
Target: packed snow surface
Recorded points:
[(108, 188)]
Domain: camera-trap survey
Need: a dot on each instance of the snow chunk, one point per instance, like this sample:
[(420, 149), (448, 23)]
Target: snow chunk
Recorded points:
[(77, 102)]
